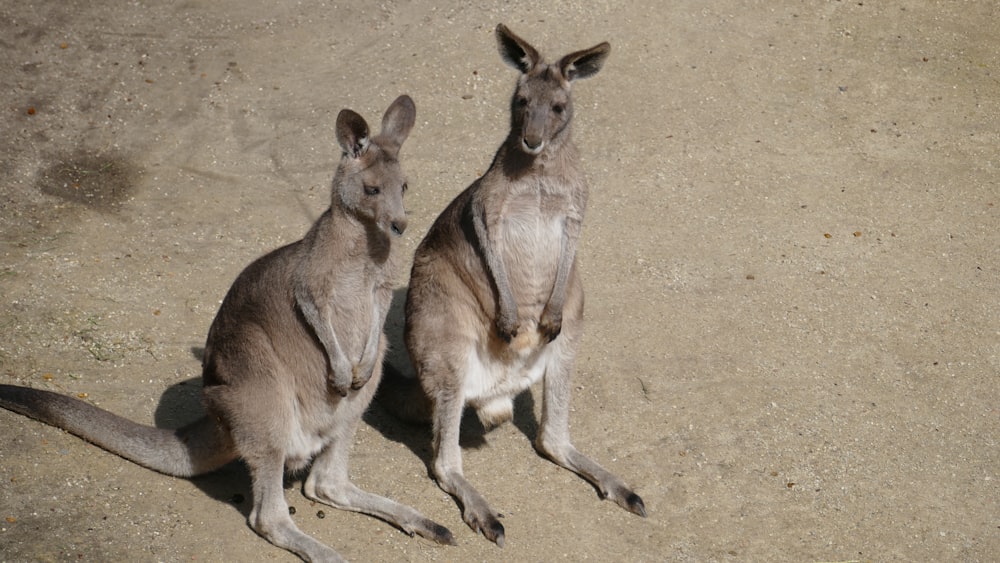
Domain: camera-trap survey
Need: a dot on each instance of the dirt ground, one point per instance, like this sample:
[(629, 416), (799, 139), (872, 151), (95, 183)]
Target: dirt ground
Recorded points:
[(791, 254)]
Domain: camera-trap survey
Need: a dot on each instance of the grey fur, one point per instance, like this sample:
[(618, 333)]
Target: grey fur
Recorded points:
[(495, 300), (293, 357)]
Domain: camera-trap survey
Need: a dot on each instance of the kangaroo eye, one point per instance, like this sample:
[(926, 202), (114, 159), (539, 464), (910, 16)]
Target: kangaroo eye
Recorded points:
[(522, 101), (405, 187), (558, 108), (372, 190)]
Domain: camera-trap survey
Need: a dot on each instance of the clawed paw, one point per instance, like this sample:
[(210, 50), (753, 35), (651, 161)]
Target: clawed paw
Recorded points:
[(360, 376), (490, 527), (338, 388), (635, 505), (339, 377), (629, 501), (550, 324), (549, 329), (507, 333), (436, 532)]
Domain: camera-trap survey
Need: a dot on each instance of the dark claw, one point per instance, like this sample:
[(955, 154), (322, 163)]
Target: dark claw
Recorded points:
[(495, 533), (635, 505), (443, 535), (431, 530), (550, 331), (490, 528), (550, 325), (505, 335)]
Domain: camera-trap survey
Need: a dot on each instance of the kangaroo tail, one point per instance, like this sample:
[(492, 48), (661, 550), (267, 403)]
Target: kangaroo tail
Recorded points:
[(403, 397), (197, 448)]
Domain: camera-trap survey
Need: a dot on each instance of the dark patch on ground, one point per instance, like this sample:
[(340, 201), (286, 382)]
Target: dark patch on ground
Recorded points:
[(101, 181)]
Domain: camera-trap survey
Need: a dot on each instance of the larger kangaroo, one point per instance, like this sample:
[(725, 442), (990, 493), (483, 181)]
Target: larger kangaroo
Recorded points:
[(292, 359), (495, 300)]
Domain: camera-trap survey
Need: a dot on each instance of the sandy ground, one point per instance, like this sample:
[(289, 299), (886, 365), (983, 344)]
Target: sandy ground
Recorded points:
[(791, 253)]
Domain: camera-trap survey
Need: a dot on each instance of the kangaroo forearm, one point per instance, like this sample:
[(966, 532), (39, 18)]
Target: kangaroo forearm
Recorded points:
[(372, 343), (489, 246), (324, 332), (567, 256)]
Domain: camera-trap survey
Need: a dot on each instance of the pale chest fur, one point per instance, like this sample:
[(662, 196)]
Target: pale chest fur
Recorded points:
[(532, 236)]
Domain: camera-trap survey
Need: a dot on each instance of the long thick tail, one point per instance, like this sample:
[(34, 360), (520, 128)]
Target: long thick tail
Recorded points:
[(197, 448), (403, 397)]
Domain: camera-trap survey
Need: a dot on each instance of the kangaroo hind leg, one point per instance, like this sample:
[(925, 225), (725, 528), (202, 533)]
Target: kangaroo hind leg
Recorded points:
[(329, 482), (269, 516), (553, 439), (449, 402)]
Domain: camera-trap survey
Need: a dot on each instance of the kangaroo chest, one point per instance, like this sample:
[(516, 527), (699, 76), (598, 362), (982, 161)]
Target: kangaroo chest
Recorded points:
[(353, 303), (533, 230), (347, 295)]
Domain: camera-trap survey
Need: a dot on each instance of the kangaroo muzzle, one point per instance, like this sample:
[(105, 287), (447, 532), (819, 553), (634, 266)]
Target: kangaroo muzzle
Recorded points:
[(534, 136), (397, 227)]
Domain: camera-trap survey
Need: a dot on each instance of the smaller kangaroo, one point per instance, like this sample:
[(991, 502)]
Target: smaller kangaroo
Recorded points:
[(292, 359), (495, 300)]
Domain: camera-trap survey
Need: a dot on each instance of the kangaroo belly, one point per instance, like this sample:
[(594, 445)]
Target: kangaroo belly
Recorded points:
[(302, 446), (499, 371)]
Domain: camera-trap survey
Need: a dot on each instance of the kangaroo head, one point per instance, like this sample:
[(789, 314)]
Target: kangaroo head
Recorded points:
[(542, 108), (369, 182)]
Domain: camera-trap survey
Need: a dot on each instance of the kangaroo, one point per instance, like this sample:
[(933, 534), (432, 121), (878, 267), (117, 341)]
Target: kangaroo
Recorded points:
[(495, 301), (293, 356)]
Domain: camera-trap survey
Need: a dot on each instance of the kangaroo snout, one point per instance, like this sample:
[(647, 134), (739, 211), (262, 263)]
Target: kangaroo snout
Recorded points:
[(531, 145), (397, 227), (534, 131)]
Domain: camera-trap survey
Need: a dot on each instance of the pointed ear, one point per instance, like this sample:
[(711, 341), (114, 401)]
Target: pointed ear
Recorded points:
[(582, 64), (398, 120), (516, 51), (352, 133)]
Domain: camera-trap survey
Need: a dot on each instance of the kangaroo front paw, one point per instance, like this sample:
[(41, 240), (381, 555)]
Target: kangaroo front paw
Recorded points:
[(343, 374), (340, 390), (339, 381), (507, 329), (549, 326), (360, 376)]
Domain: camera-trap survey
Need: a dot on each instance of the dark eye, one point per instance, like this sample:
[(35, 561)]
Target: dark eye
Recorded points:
[(405, 187), (372, 190), (558, 108), (522, 101)]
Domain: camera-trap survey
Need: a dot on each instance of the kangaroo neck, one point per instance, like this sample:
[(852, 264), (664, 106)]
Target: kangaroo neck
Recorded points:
[(342, 228)]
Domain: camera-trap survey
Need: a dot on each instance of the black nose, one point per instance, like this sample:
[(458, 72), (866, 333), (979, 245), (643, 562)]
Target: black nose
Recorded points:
[(397, 227)]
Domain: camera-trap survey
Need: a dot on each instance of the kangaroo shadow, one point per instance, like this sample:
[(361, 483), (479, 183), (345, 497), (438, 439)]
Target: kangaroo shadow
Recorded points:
[(180, 405), (417, 435)]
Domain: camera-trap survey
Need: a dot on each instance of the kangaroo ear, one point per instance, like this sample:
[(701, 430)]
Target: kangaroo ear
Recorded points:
[(582, 64), (398, 120), (516, 51), (352, 133)]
